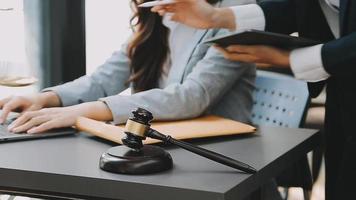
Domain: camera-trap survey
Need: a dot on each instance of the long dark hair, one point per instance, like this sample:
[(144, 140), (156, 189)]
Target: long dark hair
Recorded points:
[(148, 49)]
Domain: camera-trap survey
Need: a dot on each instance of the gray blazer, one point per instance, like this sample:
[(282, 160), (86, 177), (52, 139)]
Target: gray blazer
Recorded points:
[(203, 82)]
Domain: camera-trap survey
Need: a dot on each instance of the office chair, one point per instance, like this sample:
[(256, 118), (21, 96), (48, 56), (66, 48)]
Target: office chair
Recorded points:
[(282, 101)]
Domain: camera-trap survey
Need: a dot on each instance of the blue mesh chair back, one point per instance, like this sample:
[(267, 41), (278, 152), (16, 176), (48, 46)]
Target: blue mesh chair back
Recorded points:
[(279, 100)]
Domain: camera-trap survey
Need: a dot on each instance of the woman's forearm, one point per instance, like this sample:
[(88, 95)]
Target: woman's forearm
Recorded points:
[(96, 110)]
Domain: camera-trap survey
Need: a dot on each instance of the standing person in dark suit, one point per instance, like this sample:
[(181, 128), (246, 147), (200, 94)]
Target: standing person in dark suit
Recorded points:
[(333, 22)]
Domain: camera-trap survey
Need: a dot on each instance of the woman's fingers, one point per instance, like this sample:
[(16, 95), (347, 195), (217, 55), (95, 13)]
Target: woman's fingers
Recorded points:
[(23, 119), (8, 107), (33, 122), (4, 101), (3, 114), (44, 127), (43, 120), (28, 115)]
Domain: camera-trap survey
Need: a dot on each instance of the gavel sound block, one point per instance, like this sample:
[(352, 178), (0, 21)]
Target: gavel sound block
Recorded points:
[(136, 158)]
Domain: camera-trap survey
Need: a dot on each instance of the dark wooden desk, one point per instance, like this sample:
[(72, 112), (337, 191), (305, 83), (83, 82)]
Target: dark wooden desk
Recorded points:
[(68, 167)]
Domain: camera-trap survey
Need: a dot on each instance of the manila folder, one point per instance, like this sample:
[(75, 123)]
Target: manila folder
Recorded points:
[(202, 127)]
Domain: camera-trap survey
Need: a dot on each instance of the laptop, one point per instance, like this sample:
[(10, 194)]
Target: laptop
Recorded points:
[(5, 135)]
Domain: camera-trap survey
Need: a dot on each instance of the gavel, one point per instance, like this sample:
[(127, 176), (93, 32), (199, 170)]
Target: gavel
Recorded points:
[(137, 158)]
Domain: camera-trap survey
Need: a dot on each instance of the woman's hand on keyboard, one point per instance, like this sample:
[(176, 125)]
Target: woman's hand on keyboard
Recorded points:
[(27, 103), (60, 117), (44, 119)]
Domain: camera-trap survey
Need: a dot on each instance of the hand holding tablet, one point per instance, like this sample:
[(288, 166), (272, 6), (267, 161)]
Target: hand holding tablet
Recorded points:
[(265, 49)]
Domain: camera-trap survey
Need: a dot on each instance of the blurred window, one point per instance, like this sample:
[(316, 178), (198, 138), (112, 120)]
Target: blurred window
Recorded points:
[(13, 58)]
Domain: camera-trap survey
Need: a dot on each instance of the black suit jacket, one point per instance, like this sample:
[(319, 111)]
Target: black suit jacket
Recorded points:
[(339, 60)]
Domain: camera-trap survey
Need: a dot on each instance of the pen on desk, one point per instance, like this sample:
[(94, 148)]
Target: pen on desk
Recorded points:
[(155, 3), (6, 9)]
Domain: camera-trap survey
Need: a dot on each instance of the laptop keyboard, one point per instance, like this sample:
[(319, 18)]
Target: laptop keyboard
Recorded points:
[(3, 128), (4, 131)]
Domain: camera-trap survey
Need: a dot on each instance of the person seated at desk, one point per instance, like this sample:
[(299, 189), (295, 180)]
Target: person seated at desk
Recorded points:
[(172, 73)]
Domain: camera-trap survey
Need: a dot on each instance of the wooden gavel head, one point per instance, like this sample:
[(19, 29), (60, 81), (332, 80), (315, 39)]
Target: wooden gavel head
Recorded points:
[(136, 128), (133, 157)]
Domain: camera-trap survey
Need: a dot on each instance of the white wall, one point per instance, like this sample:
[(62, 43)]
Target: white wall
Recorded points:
[(107, 24)]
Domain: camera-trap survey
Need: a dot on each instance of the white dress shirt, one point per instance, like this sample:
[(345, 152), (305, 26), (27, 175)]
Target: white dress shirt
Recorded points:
[(306, 63), (335, 3)]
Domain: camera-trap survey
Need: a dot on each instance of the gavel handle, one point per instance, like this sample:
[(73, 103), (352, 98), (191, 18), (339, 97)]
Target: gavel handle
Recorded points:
[(202, 152)]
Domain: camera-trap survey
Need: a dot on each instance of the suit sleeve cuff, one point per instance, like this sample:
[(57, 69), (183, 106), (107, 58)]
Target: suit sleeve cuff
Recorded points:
[(65, 96), (249, 16), (121, 106), (307, 64)]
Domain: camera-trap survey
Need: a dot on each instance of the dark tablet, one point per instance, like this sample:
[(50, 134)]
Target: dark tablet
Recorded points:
[(254, 37)]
